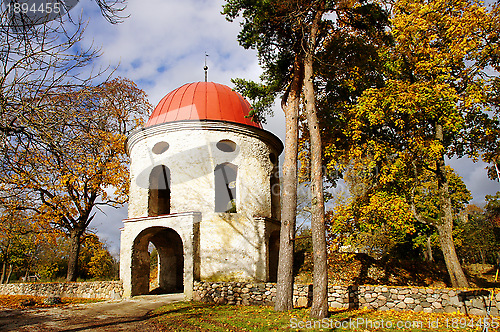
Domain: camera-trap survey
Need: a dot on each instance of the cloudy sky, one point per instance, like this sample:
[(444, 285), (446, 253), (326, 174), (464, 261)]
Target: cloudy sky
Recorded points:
[(162, 46)]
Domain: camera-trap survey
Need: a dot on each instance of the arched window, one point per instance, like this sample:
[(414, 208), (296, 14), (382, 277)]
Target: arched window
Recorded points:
[(159, 191), (225, 188)]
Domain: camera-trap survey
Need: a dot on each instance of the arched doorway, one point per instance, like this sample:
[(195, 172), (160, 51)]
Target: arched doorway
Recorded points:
[(170, 260)]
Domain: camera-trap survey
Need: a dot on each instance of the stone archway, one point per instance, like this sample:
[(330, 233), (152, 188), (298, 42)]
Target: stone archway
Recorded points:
[(169, 245)]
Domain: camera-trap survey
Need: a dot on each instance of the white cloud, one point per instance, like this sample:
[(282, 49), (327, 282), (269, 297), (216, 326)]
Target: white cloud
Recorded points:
[(107, 224), (162, 44)]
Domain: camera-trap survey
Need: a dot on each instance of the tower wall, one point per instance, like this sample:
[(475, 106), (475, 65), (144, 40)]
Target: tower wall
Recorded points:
[(232, 246)]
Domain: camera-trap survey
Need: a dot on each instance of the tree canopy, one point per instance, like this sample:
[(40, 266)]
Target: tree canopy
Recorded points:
[(75, 160)]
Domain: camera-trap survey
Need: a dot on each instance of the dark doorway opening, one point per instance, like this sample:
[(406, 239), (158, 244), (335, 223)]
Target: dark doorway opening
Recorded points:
[(159, 191), (170, 260), (273, 247)]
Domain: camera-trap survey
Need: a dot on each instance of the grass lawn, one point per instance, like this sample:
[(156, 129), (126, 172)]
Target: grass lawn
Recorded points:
[(195, 316)]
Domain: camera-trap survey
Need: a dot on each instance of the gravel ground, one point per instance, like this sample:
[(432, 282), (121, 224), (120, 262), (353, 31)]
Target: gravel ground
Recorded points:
[(125, 315)]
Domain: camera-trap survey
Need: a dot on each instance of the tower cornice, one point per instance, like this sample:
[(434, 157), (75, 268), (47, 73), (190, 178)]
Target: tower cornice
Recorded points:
[(223, 126)]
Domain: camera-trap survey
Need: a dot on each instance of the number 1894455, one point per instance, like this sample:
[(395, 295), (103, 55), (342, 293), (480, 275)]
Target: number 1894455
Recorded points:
[(34, 8)]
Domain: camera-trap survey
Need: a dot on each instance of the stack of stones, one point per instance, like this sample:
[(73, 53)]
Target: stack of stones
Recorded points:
[(92, 290), (235, 293), (417, 299), (448, 300)]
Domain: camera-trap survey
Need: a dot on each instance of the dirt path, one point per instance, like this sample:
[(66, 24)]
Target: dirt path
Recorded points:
[(124, 315)]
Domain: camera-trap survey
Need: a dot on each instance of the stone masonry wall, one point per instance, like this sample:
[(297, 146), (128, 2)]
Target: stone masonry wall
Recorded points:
[(93, 289), (344, 297)]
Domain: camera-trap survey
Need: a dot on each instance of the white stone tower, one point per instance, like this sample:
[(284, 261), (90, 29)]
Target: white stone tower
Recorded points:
[(204, 189)]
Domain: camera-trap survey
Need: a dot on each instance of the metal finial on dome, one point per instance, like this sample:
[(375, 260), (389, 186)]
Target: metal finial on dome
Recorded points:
[(206, 67)]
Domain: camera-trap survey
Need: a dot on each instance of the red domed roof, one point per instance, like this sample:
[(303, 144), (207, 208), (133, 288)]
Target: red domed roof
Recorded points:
[(202, 101)]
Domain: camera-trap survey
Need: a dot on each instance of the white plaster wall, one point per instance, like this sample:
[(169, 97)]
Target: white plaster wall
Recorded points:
[(184, 224), (232, 246), (191, 159)]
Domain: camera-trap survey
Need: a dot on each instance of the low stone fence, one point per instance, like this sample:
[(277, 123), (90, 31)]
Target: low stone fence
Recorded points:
[(91, 289), (234, 293), (344, 297)]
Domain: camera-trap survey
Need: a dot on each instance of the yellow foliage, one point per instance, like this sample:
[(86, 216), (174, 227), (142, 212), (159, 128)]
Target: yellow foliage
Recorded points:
[(75, 156)]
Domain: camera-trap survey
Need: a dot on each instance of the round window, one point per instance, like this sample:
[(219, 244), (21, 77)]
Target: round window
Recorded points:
[(160, 147), (226, 145)]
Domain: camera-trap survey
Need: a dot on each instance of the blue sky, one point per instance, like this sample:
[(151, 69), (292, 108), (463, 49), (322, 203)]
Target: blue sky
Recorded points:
[(162, 46)]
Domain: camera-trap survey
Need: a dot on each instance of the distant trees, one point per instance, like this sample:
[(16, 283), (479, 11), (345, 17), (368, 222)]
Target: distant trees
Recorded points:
[(30, 251), (18, 242)]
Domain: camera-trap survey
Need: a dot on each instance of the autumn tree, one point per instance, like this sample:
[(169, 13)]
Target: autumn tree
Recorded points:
[(74, 159), (433, 100), (95, 259), (375, 216), (278, 48), (18, 240), (288, 36)]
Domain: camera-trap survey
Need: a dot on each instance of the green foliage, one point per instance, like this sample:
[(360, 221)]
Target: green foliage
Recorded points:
[(493, 208), (268, 27), (153, 262), (49, 271), (261, 97), (95, 261), (478, 237)]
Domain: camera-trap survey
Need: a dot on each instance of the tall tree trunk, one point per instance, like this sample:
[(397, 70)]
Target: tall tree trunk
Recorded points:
[(453, 266), (445, 224), (9, 274), (74, 252), (4, 268), (319, 308), (284, 286), (428, 250)]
